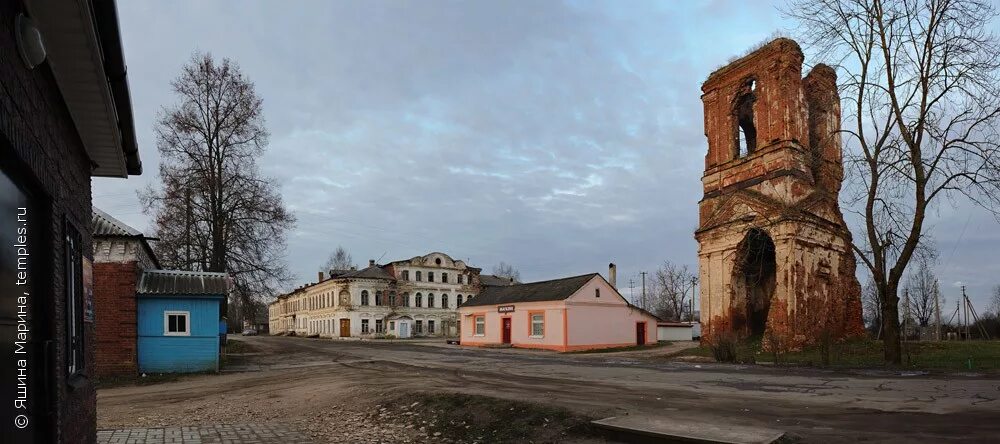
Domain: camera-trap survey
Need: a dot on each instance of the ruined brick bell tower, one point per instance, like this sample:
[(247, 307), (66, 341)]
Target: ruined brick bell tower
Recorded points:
[(774, 254)]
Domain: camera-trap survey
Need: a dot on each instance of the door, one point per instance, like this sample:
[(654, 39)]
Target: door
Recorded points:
[(404, 329), (640, 333), (345, 328), (506, 330)]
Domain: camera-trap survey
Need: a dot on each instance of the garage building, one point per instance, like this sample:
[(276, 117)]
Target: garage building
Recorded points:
[(575, 313)]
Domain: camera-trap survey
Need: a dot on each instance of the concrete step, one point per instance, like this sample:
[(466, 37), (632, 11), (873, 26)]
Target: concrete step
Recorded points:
[(663, 429)]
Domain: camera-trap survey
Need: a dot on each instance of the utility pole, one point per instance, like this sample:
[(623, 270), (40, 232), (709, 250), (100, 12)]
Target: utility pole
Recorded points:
[(965, 309), (937, 312), (643, 273), (694, 281), (631, 287)]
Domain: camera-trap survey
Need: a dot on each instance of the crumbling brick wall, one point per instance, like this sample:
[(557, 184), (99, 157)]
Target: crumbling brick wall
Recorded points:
[(783, 184)]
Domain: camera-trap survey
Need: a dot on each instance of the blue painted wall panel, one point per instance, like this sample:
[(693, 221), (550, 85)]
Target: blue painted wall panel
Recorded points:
[(166, 354)]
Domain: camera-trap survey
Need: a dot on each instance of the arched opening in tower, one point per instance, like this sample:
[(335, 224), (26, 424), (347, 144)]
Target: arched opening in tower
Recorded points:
[(746, 129), (758, 273)]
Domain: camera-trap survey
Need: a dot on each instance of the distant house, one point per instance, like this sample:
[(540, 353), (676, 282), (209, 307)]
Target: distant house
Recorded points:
[(575, 313), (179, 314), (412, 297)]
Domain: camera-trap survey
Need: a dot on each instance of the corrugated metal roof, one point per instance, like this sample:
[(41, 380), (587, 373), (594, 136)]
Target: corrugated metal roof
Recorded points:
[(554, 290), (177, 282), (106, 225)]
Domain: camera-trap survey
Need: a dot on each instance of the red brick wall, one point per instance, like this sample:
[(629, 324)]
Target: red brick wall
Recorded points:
[(115, 310)]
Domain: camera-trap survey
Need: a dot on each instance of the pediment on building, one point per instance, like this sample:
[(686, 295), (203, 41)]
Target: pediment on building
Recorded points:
[(743, 206), (821, 205)]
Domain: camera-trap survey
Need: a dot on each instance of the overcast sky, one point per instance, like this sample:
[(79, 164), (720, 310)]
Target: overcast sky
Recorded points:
[(554, 136)]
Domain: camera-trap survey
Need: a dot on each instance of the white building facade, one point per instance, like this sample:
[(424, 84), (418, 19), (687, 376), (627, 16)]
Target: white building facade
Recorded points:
[(417, 297)]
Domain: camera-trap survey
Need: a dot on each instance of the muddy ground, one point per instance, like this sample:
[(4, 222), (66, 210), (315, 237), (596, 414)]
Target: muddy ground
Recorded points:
[(336, 390)]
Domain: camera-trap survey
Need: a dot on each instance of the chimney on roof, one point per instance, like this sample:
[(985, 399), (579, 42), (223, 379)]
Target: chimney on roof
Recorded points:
[(613, 275), (320, 277), (371, 262)]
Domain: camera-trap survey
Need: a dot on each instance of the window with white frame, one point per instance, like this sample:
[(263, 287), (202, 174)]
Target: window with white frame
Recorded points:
[(364, 326), (379, 327), (430, 300), (480, 326), (444, 301), (430, 327), (176, 323), (537, 325)]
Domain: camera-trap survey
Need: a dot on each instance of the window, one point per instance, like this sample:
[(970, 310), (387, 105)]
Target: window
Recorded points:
[(345, 298), (430, 300), (364, 297), (176, 323), (406, 275), (419, 327), (418, 276), (430, 327), (460, 278), (444, 278), (378, 326), (480, 326), (419, 300), (74, 302), (444, 301), (406, 299), (392, 325), (430, 276), (597, 292), (746, 131), (392, 299), (458, 302), (537, 325), (364, 326), (378, 298)]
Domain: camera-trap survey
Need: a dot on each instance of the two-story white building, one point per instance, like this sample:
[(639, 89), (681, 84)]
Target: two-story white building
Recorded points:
[(414, 297)]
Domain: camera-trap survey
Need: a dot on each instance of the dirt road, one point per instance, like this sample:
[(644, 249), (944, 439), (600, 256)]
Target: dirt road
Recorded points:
[(306, 382)]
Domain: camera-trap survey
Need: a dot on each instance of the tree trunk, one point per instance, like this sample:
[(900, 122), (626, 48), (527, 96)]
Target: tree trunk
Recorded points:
[(890, 325)]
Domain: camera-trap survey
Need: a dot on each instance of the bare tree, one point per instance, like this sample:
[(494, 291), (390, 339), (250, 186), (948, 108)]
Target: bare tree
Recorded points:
[(995, 301), (338, 260), (508, 271), (922, 286), (672, 285), (922, 98), (213, 210), (871, 306)]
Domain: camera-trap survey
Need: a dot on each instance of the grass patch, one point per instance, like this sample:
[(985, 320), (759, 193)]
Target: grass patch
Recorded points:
[(473, 418), (621, 349), (980, 356), (866, 353)]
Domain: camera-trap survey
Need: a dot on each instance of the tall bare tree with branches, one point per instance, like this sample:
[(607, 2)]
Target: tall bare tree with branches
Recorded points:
[(213, 210), (671, 289), (919, 80)]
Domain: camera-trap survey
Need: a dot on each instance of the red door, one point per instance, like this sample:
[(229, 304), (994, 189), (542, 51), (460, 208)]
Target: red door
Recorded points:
[(506, 330), (640, 333)]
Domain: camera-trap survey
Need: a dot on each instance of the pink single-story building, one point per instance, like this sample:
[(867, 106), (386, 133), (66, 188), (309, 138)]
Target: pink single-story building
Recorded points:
[(576, 313)]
